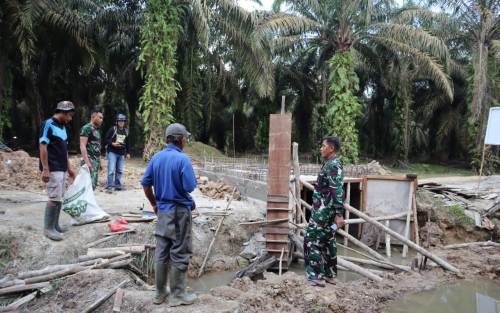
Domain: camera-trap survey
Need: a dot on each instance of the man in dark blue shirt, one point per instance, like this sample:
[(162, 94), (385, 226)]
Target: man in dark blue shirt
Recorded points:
[(170, 174), (55, 165)]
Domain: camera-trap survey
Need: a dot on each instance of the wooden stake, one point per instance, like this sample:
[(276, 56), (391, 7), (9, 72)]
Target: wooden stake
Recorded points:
[(347, 214), (481, 169), (282, 104), (387, 241), (296, 173), (378, 218), (408, 217), (411, 244), (281, 260), (200, 272), (103, 299), (473, 244)]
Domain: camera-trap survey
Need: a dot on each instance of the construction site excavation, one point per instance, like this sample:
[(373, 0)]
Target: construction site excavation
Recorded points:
[(406, 244)]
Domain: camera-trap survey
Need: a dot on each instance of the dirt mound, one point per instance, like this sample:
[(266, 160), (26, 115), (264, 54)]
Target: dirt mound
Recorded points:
[(360, 170), (19, 170), (217, 190)]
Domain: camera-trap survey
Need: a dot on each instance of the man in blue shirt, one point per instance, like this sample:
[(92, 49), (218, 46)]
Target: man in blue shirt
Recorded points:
[(167, 182), (55, 165)]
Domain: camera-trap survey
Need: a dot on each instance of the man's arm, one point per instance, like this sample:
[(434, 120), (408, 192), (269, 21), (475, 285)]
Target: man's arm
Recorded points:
[(83, 150), (71, 174), (148, 191), (44, 158), (188, 176)]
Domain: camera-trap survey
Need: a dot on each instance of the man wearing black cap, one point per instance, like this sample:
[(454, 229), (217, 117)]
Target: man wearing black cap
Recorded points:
[(171, 175), (117, 147), (55, 165)]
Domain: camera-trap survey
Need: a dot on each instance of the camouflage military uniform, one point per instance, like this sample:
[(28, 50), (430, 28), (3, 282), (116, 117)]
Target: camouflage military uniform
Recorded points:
[(320, 247), (93, 150)]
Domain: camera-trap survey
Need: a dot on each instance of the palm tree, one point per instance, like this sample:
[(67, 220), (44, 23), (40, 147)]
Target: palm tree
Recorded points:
[(339, 31)]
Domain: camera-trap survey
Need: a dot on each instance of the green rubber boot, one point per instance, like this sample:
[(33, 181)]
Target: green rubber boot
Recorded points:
[(58, 227), (49, 223), (161, 275), (178, 295)]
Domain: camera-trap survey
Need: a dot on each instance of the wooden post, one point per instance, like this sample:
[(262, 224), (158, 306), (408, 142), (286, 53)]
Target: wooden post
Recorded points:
[(296, 173), (281, 260), (387, 241), (282, 104), (411, 244), (408, 217), (347, 214)]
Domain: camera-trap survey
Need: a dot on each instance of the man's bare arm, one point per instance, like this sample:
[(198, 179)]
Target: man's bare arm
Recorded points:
[(148, 191), (83, 151), (44, 158)]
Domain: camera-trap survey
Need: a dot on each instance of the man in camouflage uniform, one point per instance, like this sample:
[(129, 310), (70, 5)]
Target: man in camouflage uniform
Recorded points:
[(320, 247), (90, 145)]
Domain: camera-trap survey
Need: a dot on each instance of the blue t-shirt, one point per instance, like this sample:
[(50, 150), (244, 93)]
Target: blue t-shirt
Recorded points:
[(54, 135), (171, 174)]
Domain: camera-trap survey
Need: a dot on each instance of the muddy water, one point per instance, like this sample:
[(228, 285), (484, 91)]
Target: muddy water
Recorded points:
[(481, 296), (210, 280)]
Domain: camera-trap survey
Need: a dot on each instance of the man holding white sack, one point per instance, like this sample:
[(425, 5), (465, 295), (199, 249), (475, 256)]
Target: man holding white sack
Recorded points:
[(55, 165)]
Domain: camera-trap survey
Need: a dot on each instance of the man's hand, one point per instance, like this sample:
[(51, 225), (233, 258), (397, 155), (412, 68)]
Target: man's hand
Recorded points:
[(45, 175), (71, 175), (89, 165), (339, 220), (128, 156)]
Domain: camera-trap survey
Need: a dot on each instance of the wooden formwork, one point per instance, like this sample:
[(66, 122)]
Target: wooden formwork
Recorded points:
[(280, 137)]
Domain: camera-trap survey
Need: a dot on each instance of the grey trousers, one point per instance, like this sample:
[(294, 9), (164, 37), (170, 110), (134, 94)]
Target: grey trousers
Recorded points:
[(174, 242)]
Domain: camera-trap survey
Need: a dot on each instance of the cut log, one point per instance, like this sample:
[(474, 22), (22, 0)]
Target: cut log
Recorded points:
[(258, 267), (22, 288), (112, 260), (65, 272), (358, 269), (47, 270), (306, 205), (376, 272), (120, 264), (473, 244), (128, 249), (411, 244), (361, 245), (388, 266), (100, 255), (103, 299)]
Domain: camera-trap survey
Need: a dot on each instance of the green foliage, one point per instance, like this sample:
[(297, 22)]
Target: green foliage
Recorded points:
[(159, 36), (458, 214), (344, 108), (261, 137)]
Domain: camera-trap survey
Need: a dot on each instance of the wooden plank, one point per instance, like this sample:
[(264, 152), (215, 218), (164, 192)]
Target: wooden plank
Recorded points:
[(276, 230), (117, 305), (277, 198)]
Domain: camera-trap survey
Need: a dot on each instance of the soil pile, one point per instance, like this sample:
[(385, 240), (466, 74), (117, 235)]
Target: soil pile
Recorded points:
[(217, 190), (360, 170)]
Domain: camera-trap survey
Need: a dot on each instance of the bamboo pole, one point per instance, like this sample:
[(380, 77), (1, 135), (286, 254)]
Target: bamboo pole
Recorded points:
[(281, 260), (306, 205), (306, 184), (367, 262), (361, 245), (299, 207), (296, 173), (378, 218), (59, 274), (411, 244), (408, 217), (473, 244), (200, 272), (100, 255), (358, 269)]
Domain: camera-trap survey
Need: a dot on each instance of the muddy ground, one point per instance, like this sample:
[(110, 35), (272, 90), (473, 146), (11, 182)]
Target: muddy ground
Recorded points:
[(28, 249)]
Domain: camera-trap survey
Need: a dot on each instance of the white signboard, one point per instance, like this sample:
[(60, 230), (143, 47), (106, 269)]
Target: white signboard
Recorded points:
[(493, 128)]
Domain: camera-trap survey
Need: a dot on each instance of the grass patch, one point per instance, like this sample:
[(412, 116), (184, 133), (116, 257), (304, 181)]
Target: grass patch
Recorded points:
[(458, 214), (199, 149), (7, 251), (425, 170)]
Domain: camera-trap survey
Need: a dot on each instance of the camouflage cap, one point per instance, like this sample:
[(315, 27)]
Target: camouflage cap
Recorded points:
[(65, 106)]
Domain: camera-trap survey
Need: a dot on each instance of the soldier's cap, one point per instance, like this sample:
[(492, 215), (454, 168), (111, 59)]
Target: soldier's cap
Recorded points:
[(177, 129), (65, 106), (121, 117)]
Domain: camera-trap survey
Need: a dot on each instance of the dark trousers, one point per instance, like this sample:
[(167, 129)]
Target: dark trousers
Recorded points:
[(174, 242)]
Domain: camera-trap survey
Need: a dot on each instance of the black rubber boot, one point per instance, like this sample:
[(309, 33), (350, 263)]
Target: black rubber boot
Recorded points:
[(178, 295), (161, 276), (49, 223), (59, 228)]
